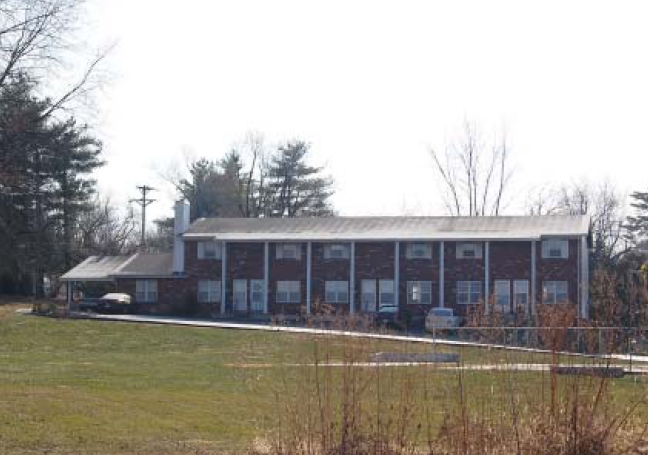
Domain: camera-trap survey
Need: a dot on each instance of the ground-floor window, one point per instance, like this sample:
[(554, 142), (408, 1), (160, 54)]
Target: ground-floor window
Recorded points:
[(336, 292), (419, 292), (209, 291), (146, 291), (554, 292), (386, 292), (503, 294), (521, 293), (469, 292), (368, 296), (288, 292)]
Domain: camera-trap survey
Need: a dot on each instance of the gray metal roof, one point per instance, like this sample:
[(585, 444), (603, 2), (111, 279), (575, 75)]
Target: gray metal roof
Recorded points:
[(107, 268), (144, 265), (95, 268), (389, 228)]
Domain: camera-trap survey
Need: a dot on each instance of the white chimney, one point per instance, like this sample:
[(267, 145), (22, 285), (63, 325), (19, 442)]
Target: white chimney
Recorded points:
[(180, 225)]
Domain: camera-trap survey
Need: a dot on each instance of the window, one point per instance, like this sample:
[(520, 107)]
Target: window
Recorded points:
[(469, 292), (368, 296), (209, 291), (288, 292), (469, 250), (419, 292), (336, 251), (146, 291), (554, 292), (336, 292), (288, 251), (521, 293), (209, 250), (503, 293), (386, 292), (555, 249), (419, 251)]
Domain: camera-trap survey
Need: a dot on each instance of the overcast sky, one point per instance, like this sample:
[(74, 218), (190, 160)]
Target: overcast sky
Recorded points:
[(373, 84)]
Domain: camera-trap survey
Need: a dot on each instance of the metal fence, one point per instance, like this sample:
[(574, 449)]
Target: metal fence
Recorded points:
[(585, 340)]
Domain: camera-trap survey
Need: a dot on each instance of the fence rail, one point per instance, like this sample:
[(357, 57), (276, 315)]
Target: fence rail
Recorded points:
[(586, 340)]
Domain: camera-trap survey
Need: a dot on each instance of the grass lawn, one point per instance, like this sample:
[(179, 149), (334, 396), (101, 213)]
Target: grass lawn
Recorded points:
[(77, 386)]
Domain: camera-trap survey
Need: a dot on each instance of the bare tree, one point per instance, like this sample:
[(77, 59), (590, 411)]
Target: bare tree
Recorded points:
[(474, 174), (35, 41), (602, 202), (103, 231)]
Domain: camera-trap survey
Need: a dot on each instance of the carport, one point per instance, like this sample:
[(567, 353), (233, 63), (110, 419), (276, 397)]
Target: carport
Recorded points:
[(95, 269)]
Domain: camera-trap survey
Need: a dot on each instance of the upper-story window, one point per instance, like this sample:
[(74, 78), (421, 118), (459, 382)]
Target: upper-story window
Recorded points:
[(467, 250), (209, 250), (419, 250), (288, 251), (555, 249), (336, 251)]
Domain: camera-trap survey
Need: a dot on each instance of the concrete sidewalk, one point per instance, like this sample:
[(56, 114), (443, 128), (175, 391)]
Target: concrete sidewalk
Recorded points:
[(166, 320)]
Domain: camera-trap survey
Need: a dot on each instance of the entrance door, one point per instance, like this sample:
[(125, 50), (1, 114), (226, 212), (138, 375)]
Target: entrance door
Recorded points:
[(240, 295), (256, 295), (368, 296)]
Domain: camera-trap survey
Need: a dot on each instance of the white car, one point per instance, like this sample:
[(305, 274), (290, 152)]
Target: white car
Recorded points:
[(441, 318)]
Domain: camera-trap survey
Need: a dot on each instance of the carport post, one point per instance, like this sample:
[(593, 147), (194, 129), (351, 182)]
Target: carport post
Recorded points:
[(68, 289), (223, 277)]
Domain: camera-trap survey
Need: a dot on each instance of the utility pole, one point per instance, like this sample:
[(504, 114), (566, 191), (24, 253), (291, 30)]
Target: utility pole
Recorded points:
[(144, 202)]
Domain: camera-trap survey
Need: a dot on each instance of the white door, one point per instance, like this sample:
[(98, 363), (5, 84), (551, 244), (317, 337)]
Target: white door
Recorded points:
[(369, 296), (240, 295), (256, 295)]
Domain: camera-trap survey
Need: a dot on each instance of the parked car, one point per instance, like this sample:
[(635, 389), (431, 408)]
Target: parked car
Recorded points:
[(439, 318), (114, 302), (387, 316)]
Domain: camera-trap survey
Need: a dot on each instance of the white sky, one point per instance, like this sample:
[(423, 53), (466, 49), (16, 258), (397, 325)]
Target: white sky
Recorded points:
[(371, 84)]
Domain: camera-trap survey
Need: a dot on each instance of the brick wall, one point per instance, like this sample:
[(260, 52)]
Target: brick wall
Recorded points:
[(375, 261)]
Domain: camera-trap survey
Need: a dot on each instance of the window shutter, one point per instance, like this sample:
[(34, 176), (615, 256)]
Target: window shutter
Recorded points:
[(201, 250)]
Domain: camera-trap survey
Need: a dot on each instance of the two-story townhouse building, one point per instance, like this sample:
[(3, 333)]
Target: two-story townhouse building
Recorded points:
[(271, 266)]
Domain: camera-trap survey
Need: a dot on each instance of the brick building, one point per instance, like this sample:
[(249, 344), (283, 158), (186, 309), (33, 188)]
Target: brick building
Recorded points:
[(357, 264)]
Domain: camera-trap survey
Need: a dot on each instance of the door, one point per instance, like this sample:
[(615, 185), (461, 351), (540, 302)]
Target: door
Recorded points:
[(368, 296), (240, 295), (256, 295)]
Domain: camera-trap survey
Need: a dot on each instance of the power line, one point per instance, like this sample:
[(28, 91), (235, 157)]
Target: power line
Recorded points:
[(144, 202)]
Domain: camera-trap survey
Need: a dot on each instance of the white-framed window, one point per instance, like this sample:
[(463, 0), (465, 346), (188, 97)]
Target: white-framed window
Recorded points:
[(419, 250), (336, 251), (288, 292), (209, 291), (368, 296), (554, 292), (419, 292), (146, 291), (288, 251), (469, 250), (503, 293), (209, 249), (386, 292), (555, 249), (521, 293), (336, 292), (469, 292)]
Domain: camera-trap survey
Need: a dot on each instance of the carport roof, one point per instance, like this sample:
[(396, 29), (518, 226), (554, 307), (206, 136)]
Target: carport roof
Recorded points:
[(107, 268), (96, 268)]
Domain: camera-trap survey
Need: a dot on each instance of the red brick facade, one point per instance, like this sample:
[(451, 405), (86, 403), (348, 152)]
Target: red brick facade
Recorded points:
[(508, 260)]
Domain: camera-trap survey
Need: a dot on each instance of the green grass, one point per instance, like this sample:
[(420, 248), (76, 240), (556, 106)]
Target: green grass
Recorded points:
[(77, 386)]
